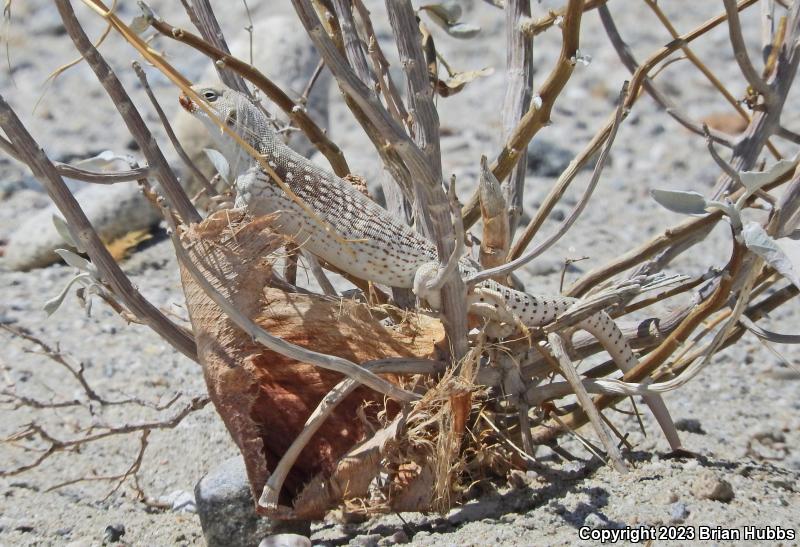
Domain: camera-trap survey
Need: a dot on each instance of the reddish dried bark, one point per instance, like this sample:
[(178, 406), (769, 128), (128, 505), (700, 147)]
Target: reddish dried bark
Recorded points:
[(263, 397)]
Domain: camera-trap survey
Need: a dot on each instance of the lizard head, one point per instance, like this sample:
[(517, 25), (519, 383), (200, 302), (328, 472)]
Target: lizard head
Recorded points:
[(237, 112)]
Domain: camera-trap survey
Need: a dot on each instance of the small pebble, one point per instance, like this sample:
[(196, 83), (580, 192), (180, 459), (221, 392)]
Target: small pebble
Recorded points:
[(285, 540), (678, 512), (710, 487), (690, 425), (113, 533), (369, 540), (400, 537), (593, 520)]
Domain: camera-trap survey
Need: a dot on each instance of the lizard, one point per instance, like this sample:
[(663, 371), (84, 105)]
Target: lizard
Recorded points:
[(346, 229)]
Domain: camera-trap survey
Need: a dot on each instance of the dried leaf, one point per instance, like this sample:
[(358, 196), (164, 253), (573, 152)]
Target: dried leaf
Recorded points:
[(219, 162), (687, 203), (757, 240), (121, 247), (728, 122), (454, 84), (460, 78)]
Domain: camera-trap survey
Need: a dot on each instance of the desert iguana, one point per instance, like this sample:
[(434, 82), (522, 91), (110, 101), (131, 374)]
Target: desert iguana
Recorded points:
[(364, 240)]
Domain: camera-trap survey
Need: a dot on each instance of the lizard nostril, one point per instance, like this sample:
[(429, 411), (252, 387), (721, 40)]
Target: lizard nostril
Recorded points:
[(186, 103)]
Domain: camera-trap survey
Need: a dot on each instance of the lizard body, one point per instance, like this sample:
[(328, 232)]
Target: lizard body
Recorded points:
[(365, 241)]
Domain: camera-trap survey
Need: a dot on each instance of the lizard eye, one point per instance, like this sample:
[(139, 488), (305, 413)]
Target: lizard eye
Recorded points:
[(210, 95)]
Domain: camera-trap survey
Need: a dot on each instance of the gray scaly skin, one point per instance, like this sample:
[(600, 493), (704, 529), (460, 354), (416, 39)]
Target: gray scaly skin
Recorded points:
[(363, 239)]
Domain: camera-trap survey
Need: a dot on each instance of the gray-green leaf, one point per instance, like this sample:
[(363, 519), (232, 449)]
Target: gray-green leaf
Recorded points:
[(462, 31), (102, 161), (54, 303), (758, 241), (754, 180), (449, 12), (219, 162), (74, 260), (447, 15), (687, 203), (140, 24), (63, 230)]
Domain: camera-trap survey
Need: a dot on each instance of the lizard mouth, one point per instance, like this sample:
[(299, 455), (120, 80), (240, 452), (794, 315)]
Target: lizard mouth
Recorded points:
[(187, 103)]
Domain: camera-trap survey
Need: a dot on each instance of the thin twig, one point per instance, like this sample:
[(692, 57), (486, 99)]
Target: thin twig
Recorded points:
[(740, 53), (507, 268), (704, 69), (210, 190), (178, 199), (110, 271), (538, 116), (296, 113), (72, 172), (202, 16), (569, 372)]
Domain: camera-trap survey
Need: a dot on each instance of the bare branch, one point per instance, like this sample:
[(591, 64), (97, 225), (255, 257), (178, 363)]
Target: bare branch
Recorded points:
[(539, 114), (44, 170), (740, 52), (133, 120), (170, 133), (519, 87), (202, 16), (569, 372), (296, 113), (574, 214), (72, 172)]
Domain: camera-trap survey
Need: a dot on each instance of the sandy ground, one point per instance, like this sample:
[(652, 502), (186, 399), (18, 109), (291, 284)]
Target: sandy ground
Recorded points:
[(741, 414)]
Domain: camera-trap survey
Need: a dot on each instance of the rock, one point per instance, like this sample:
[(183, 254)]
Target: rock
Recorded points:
[(678, 512), (227, 509), (710, 487), (400, 537), (113, 211), (369, 540), (546, 159), (285, 540), (517, 479), (690, 425), (180, 501), (594, 520), (113, 533), (289, 62)]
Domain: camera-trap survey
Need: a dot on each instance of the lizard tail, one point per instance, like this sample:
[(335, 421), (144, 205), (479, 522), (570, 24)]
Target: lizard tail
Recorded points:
[(602, 327)]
